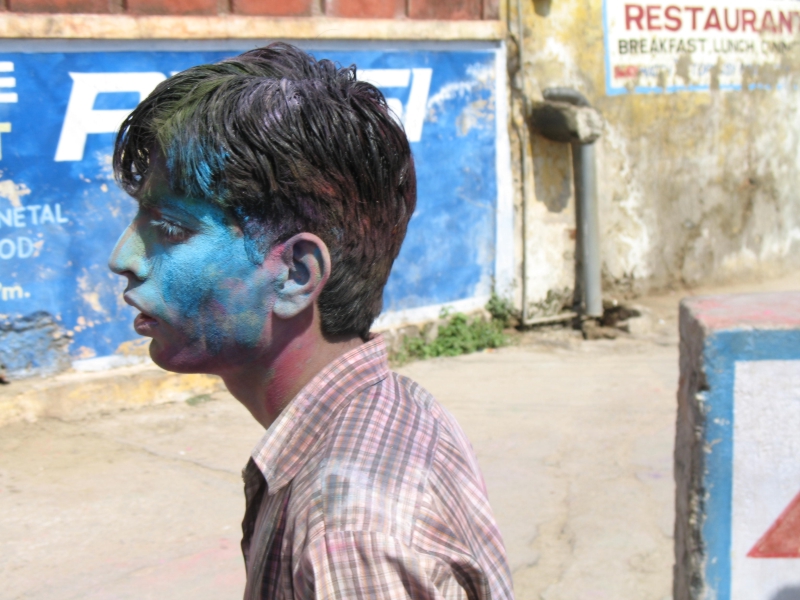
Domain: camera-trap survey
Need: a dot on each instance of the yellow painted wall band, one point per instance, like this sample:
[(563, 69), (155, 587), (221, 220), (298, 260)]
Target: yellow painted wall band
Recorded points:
[(124, 27)]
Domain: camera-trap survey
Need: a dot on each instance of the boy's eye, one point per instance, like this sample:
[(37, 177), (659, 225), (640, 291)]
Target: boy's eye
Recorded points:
[(171, 231)]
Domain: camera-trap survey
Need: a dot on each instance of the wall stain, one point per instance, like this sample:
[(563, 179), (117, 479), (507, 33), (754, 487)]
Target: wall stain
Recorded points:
[(13, 192), (34, 344)]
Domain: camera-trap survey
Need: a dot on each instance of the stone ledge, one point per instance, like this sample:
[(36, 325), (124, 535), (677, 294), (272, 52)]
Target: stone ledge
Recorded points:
[(75, 395), (125, 27)]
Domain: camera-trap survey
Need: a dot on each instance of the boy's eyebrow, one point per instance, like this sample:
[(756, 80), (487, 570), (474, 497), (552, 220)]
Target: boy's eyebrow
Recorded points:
[(175, 208)]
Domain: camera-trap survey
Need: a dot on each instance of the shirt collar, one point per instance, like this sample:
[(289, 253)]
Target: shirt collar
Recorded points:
[(288, 442)]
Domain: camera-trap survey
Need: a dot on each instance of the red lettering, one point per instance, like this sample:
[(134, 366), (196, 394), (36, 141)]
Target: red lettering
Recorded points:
[(625, 72), (712, 22), (748, 18), (768, 22), (676, 21), (694, 10), (728, 24), (631, 18), (652, 17), (786, 20)]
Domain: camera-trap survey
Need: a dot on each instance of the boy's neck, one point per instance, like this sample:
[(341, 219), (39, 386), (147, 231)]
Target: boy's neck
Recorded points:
[(294, 358)]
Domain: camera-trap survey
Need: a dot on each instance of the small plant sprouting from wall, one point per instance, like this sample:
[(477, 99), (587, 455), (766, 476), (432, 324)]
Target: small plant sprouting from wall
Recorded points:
[(461, 334), (501, 309)]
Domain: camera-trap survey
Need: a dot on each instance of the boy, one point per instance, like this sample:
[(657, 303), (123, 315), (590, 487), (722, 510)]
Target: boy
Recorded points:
[(274, 193)]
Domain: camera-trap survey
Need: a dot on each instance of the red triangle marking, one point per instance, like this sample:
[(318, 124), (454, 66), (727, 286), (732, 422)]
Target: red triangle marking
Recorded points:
[(782, 540)]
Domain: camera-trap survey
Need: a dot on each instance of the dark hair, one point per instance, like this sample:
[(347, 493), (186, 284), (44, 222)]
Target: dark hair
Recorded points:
[(286, 144)]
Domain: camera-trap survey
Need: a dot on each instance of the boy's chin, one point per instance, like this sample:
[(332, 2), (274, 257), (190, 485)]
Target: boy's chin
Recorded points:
[(181, 360)]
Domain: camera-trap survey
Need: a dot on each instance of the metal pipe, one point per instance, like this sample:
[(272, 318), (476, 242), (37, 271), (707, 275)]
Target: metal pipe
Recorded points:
[(567, 116), (588, 229)]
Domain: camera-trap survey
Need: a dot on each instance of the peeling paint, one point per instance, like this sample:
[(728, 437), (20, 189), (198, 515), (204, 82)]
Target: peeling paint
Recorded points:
[(481, 79), (35, 344), (479, 113), (13, 192), (89, 294)]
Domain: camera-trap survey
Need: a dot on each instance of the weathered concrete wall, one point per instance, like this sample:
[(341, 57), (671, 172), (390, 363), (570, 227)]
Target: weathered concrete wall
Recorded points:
[(693, 185), (737, 519)]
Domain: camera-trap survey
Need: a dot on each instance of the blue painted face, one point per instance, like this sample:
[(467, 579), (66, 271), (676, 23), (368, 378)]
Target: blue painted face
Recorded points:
[(203, 301)]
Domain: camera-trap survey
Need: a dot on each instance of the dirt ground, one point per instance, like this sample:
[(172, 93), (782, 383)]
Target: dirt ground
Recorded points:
[(574, 437)]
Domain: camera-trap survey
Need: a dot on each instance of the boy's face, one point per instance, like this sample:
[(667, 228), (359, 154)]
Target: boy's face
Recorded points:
[(202, 300)]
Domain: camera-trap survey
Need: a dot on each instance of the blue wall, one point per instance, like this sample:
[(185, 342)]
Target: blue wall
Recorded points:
[(61, 212)]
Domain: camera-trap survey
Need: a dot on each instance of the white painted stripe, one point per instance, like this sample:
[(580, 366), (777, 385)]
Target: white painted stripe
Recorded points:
[(104, 363), (9, 97), (398, 318), (390, 78), (766, 472), (504, 267), (6, 66), (8, 82)]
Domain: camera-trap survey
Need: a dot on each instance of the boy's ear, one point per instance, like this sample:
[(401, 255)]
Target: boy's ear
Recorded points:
[(304, 264)]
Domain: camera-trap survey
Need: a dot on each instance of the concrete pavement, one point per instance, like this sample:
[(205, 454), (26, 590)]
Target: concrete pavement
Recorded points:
[(575, 440)]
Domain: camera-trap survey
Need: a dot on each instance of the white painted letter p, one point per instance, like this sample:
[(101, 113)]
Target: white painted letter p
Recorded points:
[(82, 119)]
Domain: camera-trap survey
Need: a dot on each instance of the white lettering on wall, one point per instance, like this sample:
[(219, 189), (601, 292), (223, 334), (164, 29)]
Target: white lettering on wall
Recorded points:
[(20, 247), (7, 82), (82, 119), (12, 292), (37, 214), (25, 217), (4, 128), (413, 115)]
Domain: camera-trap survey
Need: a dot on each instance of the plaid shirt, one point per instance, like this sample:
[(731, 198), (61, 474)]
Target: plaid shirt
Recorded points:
[(365, 488)]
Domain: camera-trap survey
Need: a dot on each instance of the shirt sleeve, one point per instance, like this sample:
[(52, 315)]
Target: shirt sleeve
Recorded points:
[(367, 565)]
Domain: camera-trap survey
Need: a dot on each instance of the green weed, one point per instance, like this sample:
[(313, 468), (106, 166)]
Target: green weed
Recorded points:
[(460, 335), (501, 309), (195, 400)]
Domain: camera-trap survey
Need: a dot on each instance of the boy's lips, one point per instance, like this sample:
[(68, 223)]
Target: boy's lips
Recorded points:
[(143, 324)]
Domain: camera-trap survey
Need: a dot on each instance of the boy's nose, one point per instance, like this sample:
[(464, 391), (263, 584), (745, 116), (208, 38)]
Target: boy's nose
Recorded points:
[(128, 256)]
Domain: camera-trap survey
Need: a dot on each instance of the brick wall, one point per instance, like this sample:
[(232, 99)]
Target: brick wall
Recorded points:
[(370, 9)]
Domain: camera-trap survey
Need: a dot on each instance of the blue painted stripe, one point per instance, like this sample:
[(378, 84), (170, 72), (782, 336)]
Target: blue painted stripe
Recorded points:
[(671, 89), (610, 91)]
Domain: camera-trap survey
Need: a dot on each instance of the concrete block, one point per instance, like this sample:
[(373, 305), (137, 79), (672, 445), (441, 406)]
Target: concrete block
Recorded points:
[(737, 448), (272, 8), (444, 9)]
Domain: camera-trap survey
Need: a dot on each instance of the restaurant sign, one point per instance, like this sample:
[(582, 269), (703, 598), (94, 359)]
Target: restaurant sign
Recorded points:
[(668, 46)]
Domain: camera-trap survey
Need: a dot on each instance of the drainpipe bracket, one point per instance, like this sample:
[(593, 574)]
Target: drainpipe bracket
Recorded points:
[(565, 122)]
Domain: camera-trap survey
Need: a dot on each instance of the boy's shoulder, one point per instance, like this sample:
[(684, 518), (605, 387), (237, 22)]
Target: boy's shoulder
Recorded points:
[(398, 415), (393, 484), (387, 454)]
